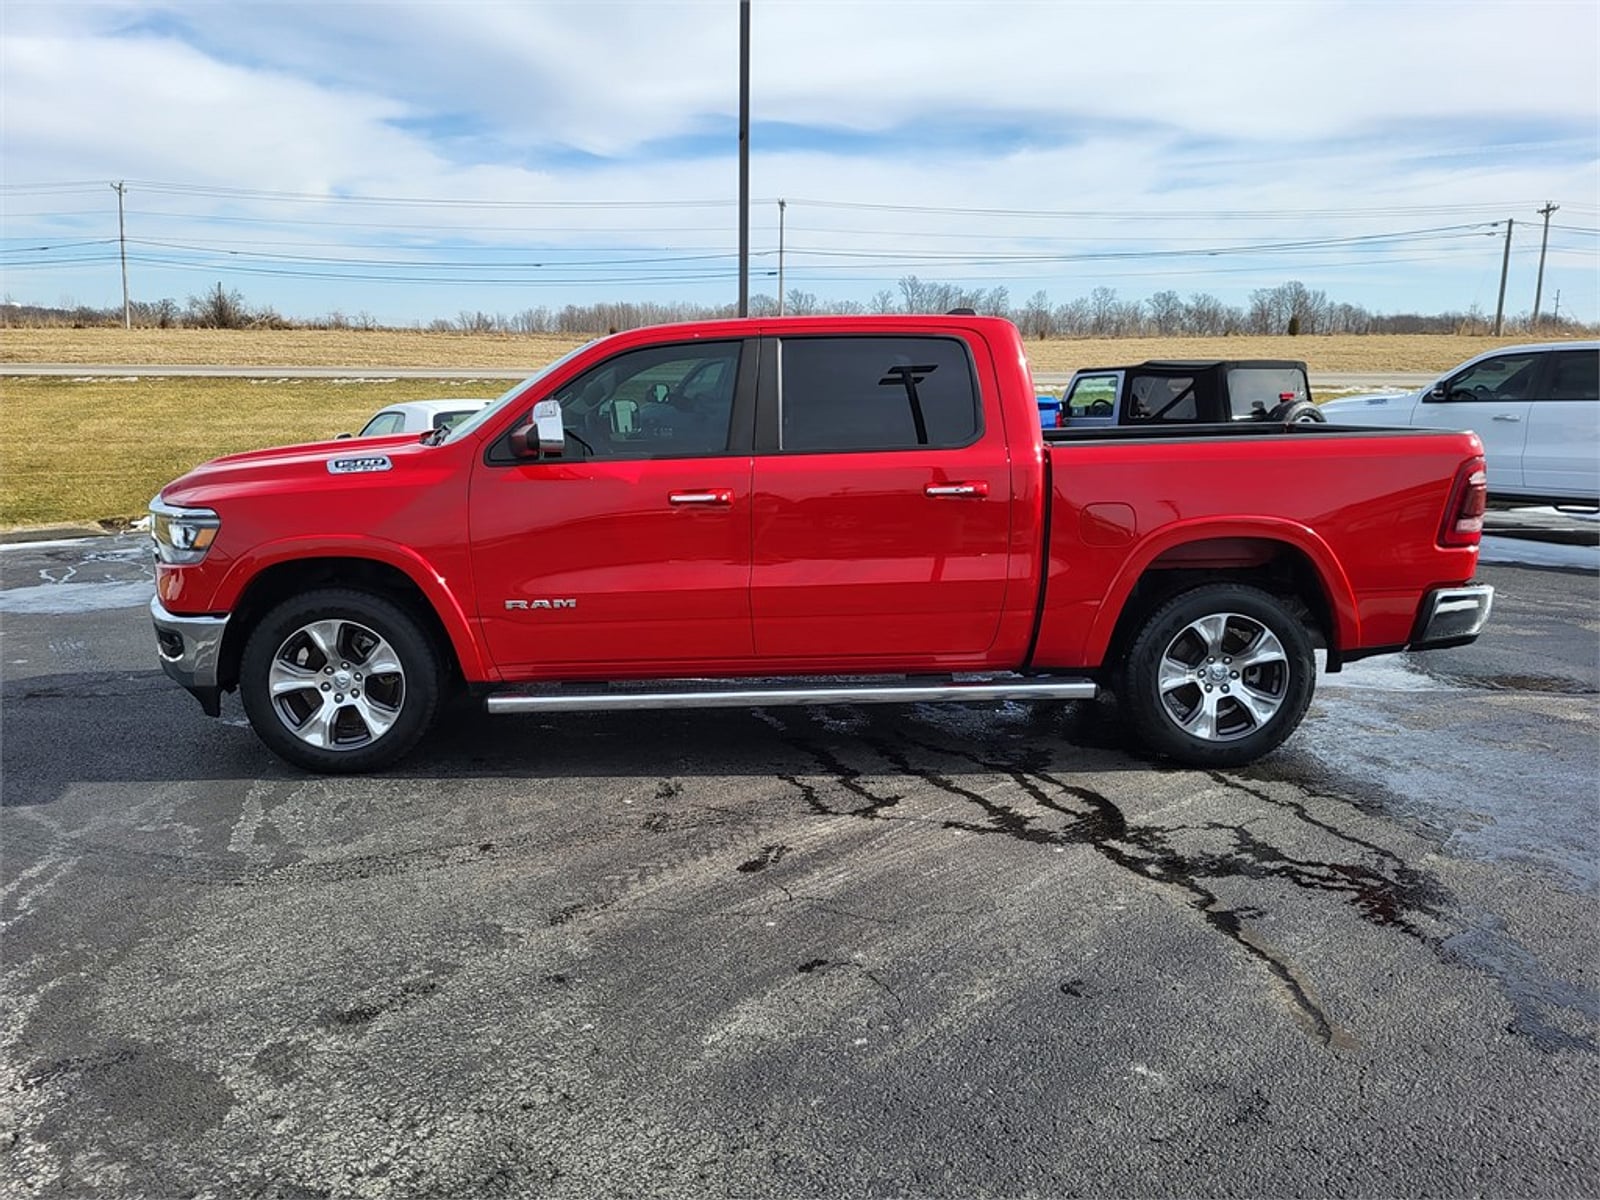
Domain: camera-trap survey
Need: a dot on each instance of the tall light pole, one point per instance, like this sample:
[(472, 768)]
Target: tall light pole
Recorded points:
[(781, 204), (122, 243), (1538, 290), (1505, 263), (744, 158)]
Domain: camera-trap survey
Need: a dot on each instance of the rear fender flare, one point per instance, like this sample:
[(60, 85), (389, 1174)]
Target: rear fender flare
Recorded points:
[(1346, 632)]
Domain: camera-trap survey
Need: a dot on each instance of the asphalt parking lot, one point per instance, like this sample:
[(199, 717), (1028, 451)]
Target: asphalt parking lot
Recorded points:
[(781, 952)]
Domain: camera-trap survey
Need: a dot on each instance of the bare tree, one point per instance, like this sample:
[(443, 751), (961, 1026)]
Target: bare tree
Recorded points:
[(1034, 319), (1166, 313), (218, 309)]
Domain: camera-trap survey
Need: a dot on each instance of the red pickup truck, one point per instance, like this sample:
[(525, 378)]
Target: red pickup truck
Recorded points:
[(808, 511)]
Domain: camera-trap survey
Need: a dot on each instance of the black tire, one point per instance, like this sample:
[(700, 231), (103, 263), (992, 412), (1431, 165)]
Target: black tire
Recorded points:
[(1297, 412), (1218, 709), (377, 716)]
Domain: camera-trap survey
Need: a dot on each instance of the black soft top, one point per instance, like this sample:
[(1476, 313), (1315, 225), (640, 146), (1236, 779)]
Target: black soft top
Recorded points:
[(1187, 366)]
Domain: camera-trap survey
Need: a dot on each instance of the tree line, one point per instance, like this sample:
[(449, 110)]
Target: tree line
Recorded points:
[(1290, 308)]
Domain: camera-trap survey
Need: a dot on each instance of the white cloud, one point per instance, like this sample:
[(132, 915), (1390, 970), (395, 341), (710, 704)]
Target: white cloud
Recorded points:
[(1489, 108)]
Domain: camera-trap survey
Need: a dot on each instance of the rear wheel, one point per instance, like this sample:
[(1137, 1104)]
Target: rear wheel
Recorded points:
[(340, 681), (1218, 676)]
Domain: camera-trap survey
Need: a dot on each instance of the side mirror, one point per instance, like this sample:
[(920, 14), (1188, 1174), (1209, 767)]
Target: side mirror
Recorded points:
[(1440, 391), (339, 437), (544, 436)]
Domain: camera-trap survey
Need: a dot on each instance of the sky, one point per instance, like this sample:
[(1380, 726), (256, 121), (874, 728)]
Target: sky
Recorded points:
[(413, 161)]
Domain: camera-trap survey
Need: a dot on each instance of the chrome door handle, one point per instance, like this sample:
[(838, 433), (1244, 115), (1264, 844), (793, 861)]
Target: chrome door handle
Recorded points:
[(721, 497), (1506, 417), (957, 490)]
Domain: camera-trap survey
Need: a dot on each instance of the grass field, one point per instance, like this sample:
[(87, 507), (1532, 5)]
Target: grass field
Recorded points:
[(98, 449), (400, 348), (95, 450)]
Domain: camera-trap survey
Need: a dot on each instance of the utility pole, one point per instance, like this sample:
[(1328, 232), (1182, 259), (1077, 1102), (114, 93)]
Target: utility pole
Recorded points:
[(122, 242), (781, 205), (744, 158), (1505, 265), (1538, 291)]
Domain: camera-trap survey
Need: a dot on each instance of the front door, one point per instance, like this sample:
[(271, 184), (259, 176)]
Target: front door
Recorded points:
[(1492, 398), (632, 551)]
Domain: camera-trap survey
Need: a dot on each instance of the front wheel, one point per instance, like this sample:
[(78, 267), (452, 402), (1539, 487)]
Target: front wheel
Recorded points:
[(339, 681), (1218, 676)]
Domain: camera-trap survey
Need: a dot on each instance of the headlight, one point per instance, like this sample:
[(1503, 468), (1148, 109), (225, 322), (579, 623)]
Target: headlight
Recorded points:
[(182, 535)]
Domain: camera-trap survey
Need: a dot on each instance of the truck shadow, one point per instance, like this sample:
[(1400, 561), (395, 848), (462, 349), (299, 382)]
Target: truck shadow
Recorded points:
[(136, 727)]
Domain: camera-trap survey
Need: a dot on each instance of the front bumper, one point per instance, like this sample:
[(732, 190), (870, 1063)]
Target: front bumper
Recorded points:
[(1452, 616), (190, 649)]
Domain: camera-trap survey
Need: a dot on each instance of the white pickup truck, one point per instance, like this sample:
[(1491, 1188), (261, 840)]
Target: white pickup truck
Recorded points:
[(1536, 407)]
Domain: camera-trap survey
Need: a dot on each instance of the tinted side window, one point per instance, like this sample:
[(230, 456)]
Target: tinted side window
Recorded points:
[(1574, 375), (876, 393), (1507, 377), (660, 402)]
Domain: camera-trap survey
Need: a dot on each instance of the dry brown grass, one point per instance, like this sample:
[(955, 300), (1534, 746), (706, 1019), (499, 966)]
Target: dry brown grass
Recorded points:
[(281, 348), (92, 450), (373, 350)]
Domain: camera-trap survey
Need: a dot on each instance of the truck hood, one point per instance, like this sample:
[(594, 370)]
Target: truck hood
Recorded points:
[(343, 460)]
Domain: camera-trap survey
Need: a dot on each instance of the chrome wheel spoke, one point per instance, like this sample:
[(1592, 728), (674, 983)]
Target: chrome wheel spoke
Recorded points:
[(376, 717), (317, 730), (285, 677), (324, 636), (1174, 675), (1265, 650), (1260, 705), (1211, 630), (1202, 722)]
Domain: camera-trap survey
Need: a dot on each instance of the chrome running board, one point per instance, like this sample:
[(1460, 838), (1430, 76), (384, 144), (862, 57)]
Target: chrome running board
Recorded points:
[(714, 693)]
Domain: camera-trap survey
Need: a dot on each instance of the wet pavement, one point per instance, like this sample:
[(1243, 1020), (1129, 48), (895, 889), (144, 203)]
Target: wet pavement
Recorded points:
[(948, 951)]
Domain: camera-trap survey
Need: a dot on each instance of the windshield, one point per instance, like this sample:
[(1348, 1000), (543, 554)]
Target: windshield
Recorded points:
[(478, 418)]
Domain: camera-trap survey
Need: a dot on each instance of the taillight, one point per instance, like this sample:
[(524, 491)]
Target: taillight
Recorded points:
[(1469, 500)]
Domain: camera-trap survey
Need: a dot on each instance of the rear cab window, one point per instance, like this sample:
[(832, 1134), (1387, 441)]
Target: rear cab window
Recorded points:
[(1253, 392)]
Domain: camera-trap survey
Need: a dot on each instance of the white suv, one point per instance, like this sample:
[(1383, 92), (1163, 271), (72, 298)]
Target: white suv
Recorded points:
[(1537, 409)]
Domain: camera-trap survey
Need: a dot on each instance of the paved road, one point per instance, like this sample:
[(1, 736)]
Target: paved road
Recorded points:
[(779, 952), (1375, 380)]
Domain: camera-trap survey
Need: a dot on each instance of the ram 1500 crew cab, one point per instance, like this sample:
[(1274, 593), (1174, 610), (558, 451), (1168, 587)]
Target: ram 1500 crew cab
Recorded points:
[(811, 510)]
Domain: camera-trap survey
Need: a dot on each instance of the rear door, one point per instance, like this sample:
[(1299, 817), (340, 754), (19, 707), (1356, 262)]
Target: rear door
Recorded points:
[(882, 501), (632, 551), (1491, 397), (1562, 454)]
